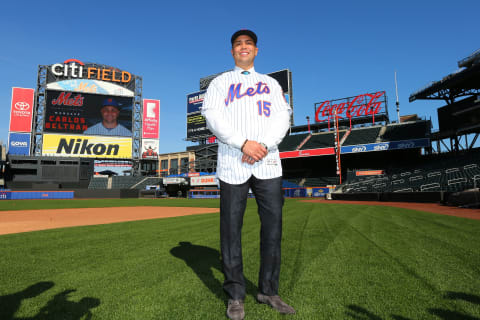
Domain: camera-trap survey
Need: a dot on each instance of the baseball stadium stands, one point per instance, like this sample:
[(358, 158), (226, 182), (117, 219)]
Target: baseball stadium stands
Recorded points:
[(292, 142), (363, 136), (123, 182), (404, 131), (147, 181), (290, 183), (98, 183), (320, 181), (451, 173), (320, 140)]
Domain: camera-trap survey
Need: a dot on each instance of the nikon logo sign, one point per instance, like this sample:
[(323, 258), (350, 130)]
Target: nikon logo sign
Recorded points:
[(87, 146), (82, 147)]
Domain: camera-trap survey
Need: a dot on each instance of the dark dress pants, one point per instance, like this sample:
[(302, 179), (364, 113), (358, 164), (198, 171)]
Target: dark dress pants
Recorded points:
[(233, 199)]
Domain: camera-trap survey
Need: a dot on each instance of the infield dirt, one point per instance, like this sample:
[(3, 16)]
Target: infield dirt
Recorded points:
[(33, 220)]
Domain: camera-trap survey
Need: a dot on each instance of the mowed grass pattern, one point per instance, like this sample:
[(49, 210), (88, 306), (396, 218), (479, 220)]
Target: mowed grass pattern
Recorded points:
[(339, 262)]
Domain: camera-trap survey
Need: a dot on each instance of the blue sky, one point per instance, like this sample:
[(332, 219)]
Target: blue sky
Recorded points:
[(334, 49)]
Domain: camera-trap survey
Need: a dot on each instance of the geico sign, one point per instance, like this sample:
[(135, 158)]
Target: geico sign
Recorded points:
[(76, 69), (82, 147), (19, 144)]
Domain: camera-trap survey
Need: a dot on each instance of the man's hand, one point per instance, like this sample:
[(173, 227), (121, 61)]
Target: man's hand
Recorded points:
[(247, 159), (253, 152)]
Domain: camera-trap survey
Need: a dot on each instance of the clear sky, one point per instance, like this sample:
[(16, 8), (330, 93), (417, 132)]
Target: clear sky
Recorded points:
[(334, 49)]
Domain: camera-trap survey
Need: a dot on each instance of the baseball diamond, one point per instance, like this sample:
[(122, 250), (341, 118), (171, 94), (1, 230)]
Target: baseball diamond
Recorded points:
[(136, 268), (156, 164)]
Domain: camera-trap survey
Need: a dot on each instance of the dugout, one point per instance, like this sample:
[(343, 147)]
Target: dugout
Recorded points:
[(47, 173)]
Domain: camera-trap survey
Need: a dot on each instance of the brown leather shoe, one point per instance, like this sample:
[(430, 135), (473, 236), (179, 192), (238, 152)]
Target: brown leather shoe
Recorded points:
[(235, 309), (276, 303)]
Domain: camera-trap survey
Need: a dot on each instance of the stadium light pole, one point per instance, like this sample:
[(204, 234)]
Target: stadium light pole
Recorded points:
[(308, 123), (337, 145), (397, 103)]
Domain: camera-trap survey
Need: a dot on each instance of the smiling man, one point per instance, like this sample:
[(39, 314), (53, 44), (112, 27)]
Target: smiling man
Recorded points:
[(109, 126), (249, 115)]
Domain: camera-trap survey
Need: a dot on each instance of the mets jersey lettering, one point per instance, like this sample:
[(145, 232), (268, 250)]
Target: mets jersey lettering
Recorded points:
[(246, 106), (234, 91)]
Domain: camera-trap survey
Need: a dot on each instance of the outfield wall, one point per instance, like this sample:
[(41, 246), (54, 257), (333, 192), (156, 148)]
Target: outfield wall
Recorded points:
[(30, 195), (427, 197), (106, 193)]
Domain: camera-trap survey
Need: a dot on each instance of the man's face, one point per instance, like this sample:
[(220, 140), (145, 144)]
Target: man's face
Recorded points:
[(244, 51), (109, 114)]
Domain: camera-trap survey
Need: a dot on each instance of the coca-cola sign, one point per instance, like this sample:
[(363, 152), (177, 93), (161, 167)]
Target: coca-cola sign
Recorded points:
[(367, 104)]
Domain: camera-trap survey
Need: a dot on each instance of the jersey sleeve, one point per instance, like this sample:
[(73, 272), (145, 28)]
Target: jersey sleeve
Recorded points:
[(279, 120), (216, 122)]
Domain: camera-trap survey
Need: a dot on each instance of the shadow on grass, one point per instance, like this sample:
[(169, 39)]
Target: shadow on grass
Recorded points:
[(203, 260), (462, 296), (359, 313), (59, 307), (448, 314)]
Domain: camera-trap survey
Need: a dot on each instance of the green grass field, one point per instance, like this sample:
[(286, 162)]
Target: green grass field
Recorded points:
[(339, 262)]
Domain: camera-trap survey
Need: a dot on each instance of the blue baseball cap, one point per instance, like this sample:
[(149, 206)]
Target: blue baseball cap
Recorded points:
[(245, 32), (110, 102)]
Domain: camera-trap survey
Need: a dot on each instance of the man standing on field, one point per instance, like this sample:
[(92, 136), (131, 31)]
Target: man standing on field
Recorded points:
[(249, 115)]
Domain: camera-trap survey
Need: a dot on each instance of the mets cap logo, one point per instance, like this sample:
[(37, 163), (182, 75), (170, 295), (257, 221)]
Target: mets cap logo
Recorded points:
[(22, 106)]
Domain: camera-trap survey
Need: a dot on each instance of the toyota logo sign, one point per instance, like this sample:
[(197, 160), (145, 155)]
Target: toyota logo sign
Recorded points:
[(22, 106)]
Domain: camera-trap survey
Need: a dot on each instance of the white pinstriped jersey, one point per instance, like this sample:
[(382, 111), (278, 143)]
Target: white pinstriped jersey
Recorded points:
[(239, 107)]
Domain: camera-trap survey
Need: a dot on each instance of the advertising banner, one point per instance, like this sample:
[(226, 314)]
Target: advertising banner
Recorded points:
[(320, 192), (363, 105), (151, 119), (86, 146), (196, 123), (408, 144), (76, 69), (5, 195), (21, 111), (307, 153), (26, 195), (369, 173), (19, 143), (390, 145), (150, 148), (87, 113), (204, 181)]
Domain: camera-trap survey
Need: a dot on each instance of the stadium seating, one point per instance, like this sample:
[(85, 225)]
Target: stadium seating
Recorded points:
[(320, 140), (291, 142), (404, 131), (98, 183), (320, 181), (362, 136), (125, 182), (444, 172), (147, 181)]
